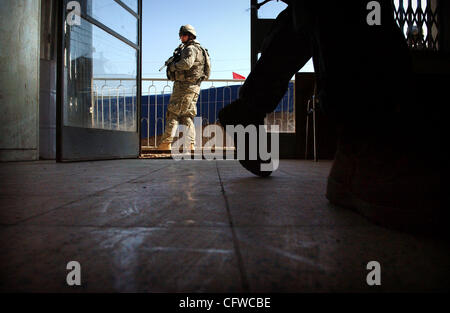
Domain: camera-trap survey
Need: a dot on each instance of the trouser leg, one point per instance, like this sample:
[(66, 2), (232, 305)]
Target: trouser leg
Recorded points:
[(285, 52), (188, 108), (171, 126), (184, 102), (190, 129)]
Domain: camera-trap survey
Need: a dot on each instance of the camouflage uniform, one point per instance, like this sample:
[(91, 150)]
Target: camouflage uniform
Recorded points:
[(182, 107)]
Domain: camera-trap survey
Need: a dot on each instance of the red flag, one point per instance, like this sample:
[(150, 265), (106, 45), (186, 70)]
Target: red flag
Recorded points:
[(237, 76)]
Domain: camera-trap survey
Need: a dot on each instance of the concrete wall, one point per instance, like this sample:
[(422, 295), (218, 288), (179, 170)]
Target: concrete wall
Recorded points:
[(47, 100), (19, 79), (47, 111)]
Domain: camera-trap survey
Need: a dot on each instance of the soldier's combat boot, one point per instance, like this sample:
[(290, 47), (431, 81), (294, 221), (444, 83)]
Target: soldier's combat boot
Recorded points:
[(237, 113), (165, 146)]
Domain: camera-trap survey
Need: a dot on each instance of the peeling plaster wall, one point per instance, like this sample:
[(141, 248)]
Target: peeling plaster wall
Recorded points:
[(19, 79)]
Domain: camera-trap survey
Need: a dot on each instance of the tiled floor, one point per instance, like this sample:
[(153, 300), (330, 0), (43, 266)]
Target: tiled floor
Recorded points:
[(197, 226)]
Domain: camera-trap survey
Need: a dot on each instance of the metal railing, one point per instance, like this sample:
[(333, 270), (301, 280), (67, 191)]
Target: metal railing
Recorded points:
[(419, 22), (114, 105)]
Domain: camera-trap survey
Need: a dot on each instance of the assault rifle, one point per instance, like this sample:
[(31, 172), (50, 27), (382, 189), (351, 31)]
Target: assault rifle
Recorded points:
[(174, 58)]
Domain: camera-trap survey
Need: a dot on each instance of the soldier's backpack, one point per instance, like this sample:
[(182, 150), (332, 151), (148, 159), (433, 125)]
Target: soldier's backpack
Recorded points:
[(207, 66)]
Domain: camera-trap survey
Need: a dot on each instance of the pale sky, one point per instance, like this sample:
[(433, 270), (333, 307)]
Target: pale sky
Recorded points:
[(223, 27)]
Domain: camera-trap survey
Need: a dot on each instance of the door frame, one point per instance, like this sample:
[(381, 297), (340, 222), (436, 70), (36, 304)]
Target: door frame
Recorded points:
[(83, 144)]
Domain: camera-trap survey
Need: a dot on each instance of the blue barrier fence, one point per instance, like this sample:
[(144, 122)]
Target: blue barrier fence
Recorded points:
[(117, 112), (210, 102)]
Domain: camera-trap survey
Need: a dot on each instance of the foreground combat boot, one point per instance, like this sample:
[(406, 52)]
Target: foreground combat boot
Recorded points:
[(389, 186), (236, 113)]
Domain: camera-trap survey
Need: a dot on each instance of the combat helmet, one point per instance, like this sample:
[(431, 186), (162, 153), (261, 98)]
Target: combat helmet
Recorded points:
[(188, 29)]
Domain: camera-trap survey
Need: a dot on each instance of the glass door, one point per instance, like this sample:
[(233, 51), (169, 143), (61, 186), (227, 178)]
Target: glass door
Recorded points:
[(99, 79)]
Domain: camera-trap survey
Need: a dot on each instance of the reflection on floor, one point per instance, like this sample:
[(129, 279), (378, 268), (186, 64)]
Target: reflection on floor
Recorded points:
[(197, 226)]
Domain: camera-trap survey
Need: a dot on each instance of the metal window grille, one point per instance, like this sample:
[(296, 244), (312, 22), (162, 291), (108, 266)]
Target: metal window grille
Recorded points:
[(418, 19)]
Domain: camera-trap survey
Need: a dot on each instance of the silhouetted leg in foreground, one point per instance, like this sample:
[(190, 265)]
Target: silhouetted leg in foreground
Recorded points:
[(363, 72)]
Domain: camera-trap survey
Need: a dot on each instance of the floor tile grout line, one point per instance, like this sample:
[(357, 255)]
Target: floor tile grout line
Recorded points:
[(244, 279), (86, 197)]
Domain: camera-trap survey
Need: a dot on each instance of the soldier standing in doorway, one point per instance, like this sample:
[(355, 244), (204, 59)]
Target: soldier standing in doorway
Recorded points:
[(187, 68)]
